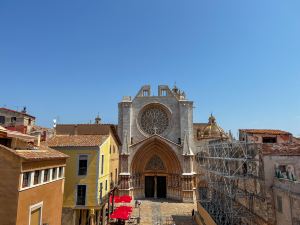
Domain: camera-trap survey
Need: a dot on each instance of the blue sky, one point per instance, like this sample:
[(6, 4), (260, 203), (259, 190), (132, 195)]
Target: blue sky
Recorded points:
[(75, 59)]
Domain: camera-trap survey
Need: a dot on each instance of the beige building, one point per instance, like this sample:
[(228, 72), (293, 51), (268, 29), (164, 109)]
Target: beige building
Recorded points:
[(256, 182), (32, 189), (265, 136), (282, 178), (15, 120)]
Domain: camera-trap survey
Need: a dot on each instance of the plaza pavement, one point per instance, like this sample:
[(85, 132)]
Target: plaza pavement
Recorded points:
[(165, 212)]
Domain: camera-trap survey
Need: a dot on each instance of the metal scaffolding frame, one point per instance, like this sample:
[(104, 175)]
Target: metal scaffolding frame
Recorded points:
[(230, 167)]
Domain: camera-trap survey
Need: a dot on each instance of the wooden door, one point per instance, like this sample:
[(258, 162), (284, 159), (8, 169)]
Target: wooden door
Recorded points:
[(149, 186), (161, 187)]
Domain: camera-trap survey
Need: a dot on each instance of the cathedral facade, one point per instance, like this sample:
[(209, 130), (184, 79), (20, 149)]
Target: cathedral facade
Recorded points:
[(158, 144)]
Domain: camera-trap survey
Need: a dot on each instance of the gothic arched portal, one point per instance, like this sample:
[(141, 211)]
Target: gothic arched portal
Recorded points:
[(156, 171)]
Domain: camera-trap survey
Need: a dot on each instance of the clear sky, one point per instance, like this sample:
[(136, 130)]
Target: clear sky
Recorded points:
[(74, 59)]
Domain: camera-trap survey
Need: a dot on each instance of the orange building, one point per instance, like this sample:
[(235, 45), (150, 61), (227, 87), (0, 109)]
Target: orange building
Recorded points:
[(32, 181)]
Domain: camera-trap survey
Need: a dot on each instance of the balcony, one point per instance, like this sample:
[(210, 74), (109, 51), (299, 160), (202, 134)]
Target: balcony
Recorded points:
[(287, 185)]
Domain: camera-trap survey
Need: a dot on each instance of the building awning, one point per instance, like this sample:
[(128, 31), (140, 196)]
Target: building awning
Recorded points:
[(121, 199), (121, 213)]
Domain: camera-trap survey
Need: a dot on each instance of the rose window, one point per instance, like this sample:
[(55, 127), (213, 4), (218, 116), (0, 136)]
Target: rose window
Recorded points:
[(154, 120)]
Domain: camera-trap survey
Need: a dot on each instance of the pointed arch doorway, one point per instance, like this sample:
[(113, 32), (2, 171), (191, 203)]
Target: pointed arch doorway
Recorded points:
[(156, 171)]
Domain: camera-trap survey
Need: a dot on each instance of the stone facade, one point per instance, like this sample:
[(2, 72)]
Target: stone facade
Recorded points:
[(282, 174), (157, 130), (15, 120)]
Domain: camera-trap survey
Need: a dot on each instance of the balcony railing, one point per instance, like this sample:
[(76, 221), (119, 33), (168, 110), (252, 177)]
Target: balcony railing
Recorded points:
[(287, 185)]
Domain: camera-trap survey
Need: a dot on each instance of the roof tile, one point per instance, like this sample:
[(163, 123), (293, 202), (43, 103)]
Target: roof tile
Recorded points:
[(76, 140), (265, 131)]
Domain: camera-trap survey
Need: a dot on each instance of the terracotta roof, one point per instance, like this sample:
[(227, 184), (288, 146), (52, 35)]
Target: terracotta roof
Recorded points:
[(39, 128), (16, 134), (43, 153), (281, 149), (88, 129), (14, 111), (76, 140), (264, 131)]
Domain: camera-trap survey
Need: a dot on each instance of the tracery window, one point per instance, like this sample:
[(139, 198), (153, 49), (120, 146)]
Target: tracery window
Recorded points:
[(154, 120), (155, 163)]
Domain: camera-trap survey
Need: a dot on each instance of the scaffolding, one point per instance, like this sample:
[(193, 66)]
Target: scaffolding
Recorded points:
[(233, 173)]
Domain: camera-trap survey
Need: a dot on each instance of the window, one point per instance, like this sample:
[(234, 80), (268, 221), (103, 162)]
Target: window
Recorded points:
[(82, 165), (29, 121), (179, 141), (114, 149), (2, 119), (105, 185), (102, 164), (13, 119), (269, 139), (281, 171), (46, 175), (54, 173), (163, 92), (60, 172), (279, 203), (145, 93), (26, 180), (110, 149), (36, 214), (37, 177), (81, 193), (101, 187), (116, 176)]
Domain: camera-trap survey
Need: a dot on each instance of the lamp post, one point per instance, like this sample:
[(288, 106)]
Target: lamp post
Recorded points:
[(111, 193), (139, 218)]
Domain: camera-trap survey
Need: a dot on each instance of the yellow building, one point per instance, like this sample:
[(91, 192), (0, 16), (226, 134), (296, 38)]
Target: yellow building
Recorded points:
[(92, 169)]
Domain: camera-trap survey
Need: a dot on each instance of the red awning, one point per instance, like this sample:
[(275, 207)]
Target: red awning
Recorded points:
[(121, 199), (122, 213)]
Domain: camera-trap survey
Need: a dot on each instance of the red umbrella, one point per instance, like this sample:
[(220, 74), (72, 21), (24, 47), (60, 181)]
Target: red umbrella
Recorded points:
[(116, 199), (123, 199), (122, 212), (126, 198)]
